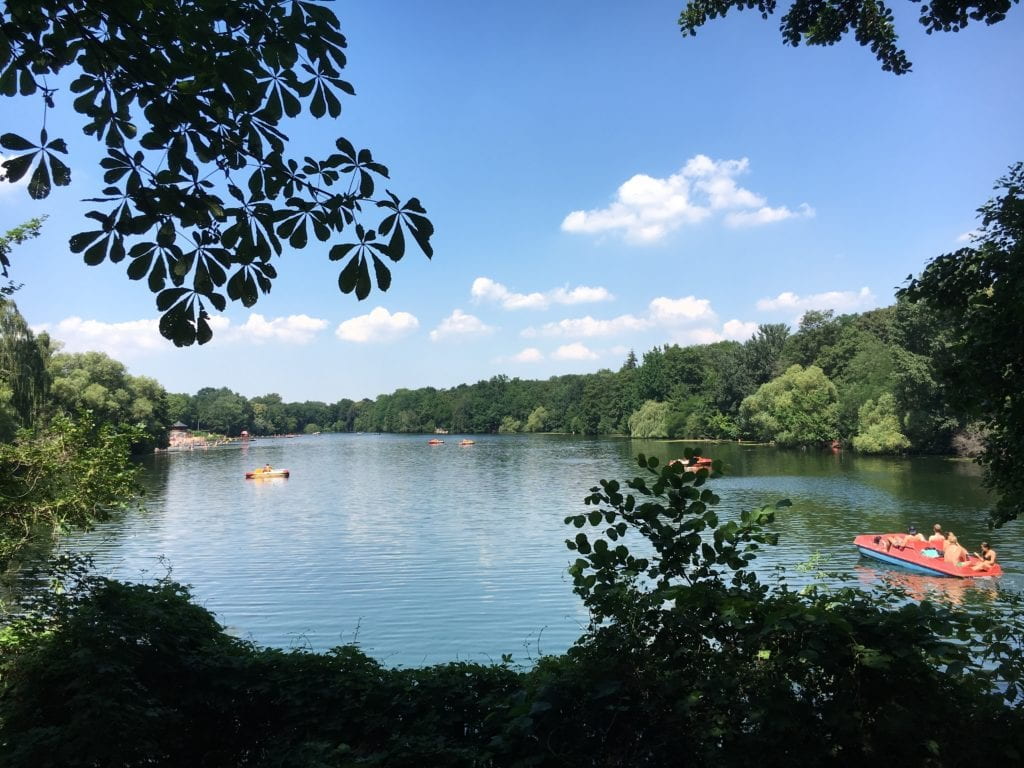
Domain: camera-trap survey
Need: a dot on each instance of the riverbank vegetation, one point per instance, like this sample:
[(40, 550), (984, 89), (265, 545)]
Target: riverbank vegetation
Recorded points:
[(871, 375), (688, 658)]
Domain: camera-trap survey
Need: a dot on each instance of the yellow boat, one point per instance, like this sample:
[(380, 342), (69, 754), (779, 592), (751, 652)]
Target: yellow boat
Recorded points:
[(262, 474)]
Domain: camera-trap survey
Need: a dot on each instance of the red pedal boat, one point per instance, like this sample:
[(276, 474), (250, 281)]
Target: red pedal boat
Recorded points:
[(920, 556)]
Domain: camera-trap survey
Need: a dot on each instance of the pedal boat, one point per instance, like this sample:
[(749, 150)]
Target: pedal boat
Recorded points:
[(265, 474), (920, 556)]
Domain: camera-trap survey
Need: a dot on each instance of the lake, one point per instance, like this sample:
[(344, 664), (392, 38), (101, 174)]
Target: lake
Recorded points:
[(426, 554)]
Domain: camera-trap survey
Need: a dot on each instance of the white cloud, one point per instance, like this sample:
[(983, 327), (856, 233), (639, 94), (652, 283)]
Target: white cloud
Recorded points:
[(590, 327), (766, 215), (528, 355), (738, 330), (665, 311), (645, 208), (378, 326), (574, 351), (116, 339), (294, 329), (703, 335), (485, 289), (458, 323), (841, 301), (580, 295), (968, 237), (133, 337)]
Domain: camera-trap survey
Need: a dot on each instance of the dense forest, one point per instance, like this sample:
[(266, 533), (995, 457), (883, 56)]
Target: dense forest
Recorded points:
[(865, 379)]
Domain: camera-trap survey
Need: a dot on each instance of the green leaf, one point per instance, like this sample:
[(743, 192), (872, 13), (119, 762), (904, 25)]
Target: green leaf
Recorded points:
[(15, 142), (39, 185), (349, 275), (383, 274), (18, 166)]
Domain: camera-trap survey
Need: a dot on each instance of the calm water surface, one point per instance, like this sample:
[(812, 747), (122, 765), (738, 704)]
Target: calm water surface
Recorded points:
[(430, 554)]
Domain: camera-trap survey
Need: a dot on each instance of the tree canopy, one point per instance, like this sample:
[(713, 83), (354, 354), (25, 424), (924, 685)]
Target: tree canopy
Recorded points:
[(871, 22), (978, 291), (189, 100)]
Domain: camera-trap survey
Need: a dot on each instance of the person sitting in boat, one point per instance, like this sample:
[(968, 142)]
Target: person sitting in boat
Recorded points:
[(954, 553), (902, 542), (267, 467), (937, 537), (986, 559)]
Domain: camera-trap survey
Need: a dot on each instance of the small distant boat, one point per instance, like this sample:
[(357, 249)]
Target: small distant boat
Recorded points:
[(265, 474), (920, 556), (467, 442), (434, 441), (698, 462)]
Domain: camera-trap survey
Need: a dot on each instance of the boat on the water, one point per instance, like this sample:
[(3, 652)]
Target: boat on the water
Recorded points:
[(467, 442), (697, 462), (435, 441), (920, 556), (265, 474)]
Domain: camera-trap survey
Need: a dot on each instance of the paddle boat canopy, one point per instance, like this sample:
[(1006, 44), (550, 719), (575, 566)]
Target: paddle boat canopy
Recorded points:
[(920, 556), (265, 474)]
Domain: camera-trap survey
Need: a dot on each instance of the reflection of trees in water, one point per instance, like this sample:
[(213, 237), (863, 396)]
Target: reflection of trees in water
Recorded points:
[(920, 587)]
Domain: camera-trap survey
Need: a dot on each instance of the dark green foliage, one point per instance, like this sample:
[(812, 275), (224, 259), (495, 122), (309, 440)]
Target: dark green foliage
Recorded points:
[(15, 236), (24, 381), (689, 659), (94, 382), (978, 293), (871, 22), (189, 100), (70, 473)]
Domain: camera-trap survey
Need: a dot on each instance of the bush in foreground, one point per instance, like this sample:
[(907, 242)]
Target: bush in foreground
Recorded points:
[(689, 659)]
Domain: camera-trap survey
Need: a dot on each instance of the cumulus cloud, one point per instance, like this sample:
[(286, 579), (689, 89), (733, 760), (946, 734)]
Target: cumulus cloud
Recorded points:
[(294, 329), (458, 323), (737, 330), (574, 351), (135, 337), (704, 335), (645, 208), (528, 355), (841, 301), (116, 339), (766, 215), (661, 312), (665, 311), (377, 326), (590, 327), (485, 289)]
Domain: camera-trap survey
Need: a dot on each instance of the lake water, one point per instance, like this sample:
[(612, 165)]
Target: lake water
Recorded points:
[(426, 554)]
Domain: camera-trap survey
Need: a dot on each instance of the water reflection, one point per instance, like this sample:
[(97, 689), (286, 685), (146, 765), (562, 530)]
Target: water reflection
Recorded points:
[(427, 554)]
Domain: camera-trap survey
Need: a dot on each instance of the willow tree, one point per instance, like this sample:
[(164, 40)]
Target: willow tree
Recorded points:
[(24, 380)]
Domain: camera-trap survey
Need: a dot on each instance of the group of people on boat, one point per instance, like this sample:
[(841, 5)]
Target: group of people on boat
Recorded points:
[(946, 544)]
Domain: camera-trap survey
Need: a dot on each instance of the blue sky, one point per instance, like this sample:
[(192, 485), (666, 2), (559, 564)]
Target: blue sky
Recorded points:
[(597, 183)]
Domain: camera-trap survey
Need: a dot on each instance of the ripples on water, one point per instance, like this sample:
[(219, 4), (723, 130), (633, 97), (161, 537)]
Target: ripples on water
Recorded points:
[(429, 554)]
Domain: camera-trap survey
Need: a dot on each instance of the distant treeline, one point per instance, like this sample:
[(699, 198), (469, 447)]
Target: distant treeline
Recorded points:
[(864, 379)]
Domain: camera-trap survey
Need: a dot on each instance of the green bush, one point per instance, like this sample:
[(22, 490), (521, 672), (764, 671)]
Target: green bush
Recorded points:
[(689, 659)]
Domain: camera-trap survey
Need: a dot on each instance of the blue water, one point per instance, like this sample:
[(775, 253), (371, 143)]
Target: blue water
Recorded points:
[(424, 554)]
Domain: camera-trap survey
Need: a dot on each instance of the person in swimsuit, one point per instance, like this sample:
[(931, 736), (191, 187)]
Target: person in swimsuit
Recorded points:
[(954, 553), (937, 537), (986, 559)]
